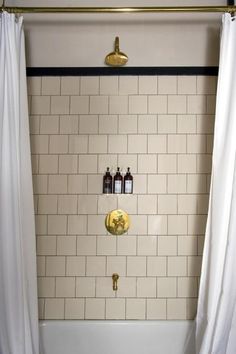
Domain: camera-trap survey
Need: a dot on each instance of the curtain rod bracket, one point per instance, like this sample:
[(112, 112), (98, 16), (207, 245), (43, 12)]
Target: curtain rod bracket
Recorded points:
[(3, 6)]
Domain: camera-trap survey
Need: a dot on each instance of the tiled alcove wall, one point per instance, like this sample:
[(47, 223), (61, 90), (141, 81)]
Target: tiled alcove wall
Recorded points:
[(162, 128)]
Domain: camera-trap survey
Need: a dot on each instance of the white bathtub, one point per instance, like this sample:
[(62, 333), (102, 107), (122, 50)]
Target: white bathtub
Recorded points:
[(116, 337)]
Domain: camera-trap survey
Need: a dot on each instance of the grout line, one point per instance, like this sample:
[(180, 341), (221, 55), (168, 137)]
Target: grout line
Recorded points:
[(137, 195)]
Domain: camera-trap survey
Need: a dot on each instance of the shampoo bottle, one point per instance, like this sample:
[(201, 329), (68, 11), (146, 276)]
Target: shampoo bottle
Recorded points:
[(107, 182), (128, 182), (118, 182)]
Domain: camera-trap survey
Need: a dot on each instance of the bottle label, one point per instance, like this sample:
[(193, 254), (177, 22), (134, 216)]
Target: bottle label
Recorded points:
[(107, 186), (117, 187), (128, 186)]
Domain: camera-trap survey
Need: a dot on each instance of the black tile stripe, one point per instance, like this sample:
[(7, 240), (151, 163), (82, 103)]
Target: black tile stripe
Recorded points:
[(107, 71)]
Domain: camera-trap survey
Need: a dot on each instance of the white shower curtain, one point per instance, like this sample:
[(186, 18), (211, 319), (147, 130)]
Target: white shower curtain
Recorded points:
[(216, 317), (18, 295)]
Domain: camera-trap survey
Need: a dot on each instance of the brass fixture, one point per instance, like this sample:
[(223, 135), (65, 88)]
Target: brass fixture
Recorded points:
[(117, 222), (3, 6), (115, 278), (158, 9), (116, 58)]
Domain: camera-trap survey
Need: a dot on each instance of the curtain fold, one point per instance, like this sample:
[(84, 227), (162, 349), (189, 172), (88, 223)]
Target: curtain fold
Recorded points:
[(216, 316), (18, 287)]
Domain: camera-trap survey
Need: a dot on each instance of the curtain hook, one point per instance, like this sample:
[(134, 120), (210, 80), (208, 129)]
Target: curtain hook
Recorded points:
[(231, 12)]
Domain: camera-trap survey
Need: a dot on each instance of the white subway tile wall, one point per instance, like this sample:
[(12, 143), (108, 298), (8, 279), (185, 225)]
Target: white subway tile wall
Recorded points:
[(162, 128)]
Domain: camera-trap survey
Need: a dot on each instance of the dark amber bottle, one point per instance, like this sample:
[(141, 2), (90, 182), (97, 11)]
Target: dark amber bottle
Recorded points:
[(118, 182), (128, 182), (107, 182)]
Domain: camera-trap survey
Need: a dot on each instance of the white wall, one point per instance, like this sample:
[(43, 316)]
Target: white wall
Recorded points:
[(149, 40)]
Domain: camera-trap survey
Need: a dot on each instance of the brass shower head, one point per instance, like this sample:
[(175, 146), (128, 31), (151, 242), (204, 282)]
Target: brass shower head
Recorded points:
[(116, 58)]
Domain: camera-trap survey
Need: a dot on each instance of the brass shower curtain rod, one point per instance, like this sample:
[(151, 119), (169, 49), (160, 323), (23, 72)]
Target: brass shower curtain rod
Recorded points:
[(109, 10)]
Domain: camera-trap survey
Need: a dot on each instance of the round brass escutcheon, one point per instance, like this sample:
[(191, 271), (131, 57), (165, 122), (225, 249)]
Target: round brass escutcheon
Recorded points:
[(117, 222)]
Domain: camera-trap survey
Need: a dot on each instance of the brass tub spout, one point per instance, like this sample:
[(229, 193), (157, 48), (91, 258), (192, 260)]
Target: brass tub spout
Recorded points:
[(115, 278)]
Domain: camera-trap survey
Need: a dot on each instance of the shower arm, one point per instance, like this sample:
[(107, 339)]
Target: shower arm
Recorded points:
[(91, 10)]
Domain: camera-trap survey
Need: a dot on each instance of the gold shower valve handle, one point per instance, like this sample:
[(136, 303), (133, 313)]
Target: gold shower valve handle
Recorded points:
[(115, 278)]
